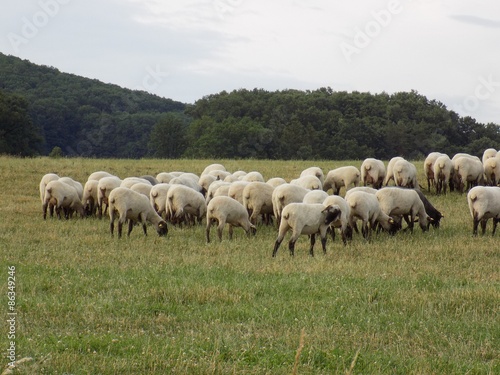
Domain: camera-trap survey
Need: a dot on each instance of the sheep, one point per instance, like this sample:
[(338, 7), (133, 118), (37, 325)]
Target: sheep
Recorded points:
[(126, 204), (253, 176), (309, 182), (226, 210), (373, 172), (488, 153), (366, 207), (104, 188), (204, 181), (77, 185), (343, 176), (158, 197), (128, 182), (432, 213), (187, 179), (142, 188), (405, 174), (484, 204), (284, 195), (164, 177), (315, 196), (389, 175), (43, 183), (236, 190), (213, 188), (89, 198), (98, 175), (397, 202), (183, 203), (343, 221), (429, 162), (222, 190), (213, 167), (276, 181), (257, 199), (468, 173), (303, 218), (366, 189), (464, 155), (492, 171), (443, 173), (152, 180), (62, 196), (219, 175), (314, 171)]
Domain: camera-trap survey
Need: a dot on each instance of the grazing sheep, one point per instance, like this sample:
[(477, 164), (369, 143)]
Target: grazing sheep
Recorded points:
[(315, 196), (104, 188), (257, 199), (284, 195), (443, 173), (158, 198), (219, 175), (43, 183), (98, 175), (77, 185), (126, 204), (185, 204), (187, 179), (308, 182), (164, 177), (429, 162), (62, 196), (252, 177), (152, 180), (389, 175), (213, 188), (314, 171), (226, 210), (128, 182), (464, 155), (142, 188), (489, 153), (343, 176), (89, 198), (303, 218), (373, 172), (492, 171), (213, 167), (205, 181), (343, 221), (236, 190), (405, 203), (276, 181), (468, 173), (432, 213), (405, 174), (366, 189), (366, 207), (484, 204)]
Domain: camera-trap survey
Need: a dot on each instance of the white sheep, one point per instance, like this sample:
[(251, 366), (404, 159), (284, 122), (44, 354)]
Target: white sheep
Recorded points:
[(89, 198), (213, 167), (164, 177), (389, 174), (315, 196), (219, 175), (339, 177), (468, 172), (205, 181), (152, 180), (276, 181), (236, 190), (406, 203), (253, 176), (142, 188), (366, 207), (126, 204), (484, 204), (62, 196), (405, 174), (429, 162), (309, 219), (77, 185), (43, 183), (226, 210), (464, 155), (443, 173), (187, 179), (128, 182), (158, 197), (213, 188), (185, 204), (308, 182), (343, 221), (366, 189), (489, 153), (98, 175), (492, 170), (104, 188), (284, 195), (257, 199), (373, 172), (314, 171)]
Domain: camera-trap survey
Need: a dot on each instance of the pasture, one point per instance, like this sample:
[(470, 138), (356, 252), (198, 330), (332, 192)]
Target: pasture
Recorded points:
[(87, 303)]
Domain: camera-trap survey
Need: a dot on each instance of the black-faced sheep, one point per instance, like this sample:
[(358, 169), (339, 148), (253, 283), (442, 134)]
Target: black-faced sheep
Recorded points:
[(309, 219), (343, 221), (339, 177), (373, 172), (225, 210), (484, 204), (126, 204)]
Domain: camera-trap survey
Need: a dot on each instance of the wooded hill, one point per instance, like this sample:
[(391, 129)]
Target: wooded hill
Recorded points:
[(41, 108)]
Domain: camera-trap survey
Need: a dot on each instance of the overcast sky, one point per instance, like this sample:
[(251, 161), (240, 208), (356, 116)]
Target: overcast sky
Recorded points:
[(446, 50)]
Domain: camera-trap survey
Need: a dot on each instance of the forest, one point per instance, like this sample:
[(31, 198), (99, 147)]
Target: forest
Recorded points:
[(43, 109)]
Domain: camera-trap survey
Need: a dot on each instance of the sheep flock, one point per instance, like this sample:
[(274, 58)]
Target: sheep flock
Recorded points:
[(381, 198)]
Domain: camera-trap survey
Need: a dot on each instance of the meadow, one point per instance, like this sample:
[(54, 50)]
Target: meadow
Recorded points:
[(89, 303)]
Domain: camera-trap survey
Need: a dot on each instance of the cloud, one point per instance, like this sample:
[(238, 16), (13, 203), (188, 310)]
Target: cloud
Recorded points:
[(478, 21)]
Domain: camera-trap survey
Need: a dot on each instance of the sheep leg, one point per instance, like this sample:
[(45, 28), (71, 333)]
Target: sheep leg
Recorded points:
[(483, 226), (277, 244), (311, 247), (365, 230), (332, 233), (230, 230), (291, 246), (495, 222), (144, 228), (323, 243), (475, 225), (220, 227), (112, 226), (207, 230), (120, 228)]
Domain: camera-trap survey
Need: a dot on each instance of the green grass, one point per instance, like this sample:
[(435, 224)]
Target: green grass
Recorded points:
[(87, 303)]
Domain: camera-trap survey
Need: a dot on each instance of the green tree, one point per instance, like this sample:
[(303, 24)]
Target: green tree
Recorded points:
[(169, 136)]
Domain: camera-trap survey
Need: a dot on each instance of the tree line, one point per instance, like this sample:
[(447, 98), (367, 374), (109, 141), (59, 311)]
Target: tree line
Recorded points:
[(86, 117)]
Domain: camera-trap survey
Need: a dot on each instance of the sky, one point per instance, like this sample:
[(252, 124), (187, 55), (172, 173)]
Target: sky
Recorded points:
[(184, 50)]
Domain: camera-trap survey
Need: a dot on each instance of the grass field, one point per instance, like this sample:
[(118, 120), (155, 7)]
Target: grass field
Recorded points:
[(87, 303)]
